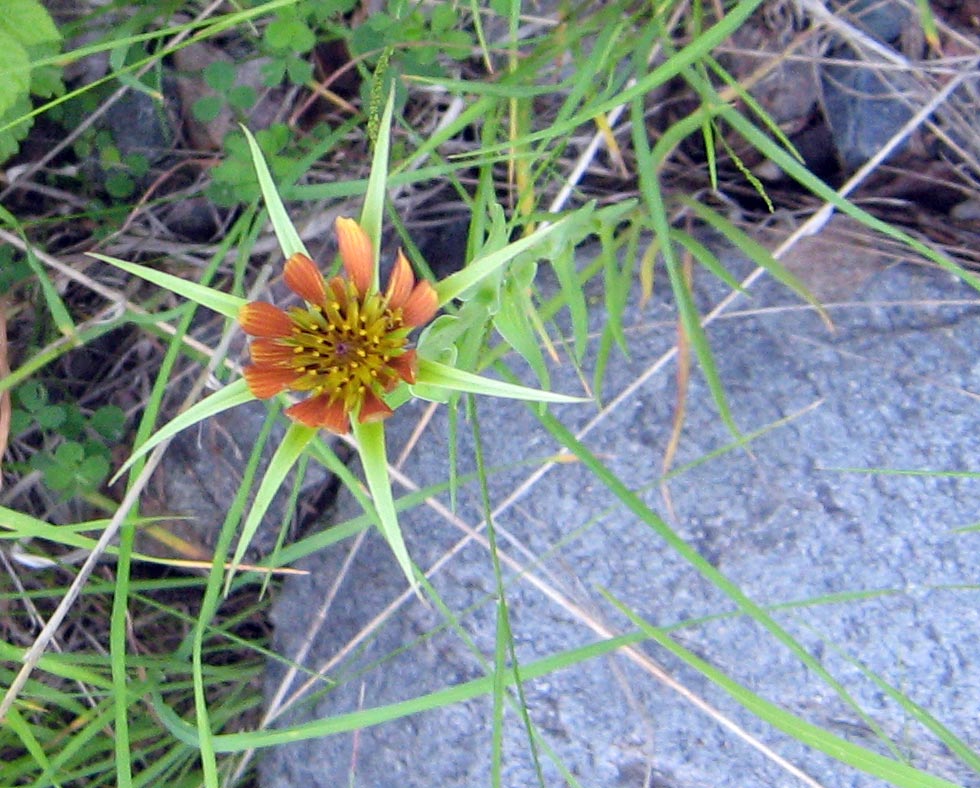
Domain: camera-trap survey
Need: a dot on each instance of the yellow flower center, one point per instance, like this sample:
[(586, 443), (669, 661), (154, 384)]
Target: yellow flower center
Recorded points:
[(343, 348)]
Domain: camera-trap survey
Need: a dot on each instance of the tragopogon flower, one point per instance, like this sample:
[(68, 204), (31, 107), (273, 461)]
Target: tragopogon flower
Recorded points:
[(348, 346)]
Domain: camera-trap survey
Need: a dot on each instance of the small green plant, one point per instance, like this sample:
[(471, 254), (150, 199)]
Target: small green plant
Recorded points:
[(74, 458), (221, 77), (28, 37)]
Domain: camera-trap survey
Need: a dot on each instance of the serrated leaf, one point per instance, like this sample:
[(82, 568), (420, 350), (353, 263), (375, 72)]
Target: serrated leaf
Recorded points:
[(222, 303)]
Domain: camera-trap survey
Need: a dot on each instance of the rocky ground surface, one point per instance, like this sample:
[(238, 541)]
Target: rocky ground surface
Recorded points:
[(895, 386)]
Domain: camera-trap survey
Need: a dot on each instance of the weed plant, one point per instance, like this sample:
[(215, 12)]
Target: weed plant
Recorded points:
[(542, 129)]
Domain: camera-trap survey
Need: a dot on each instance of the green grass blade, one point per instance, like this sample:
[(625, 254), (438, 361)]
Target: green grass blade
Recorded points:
[(756, 252), (810, 181), (23, 731), (647, 164), (57, 308), (222, 303), (836, 747), (635, 504), (59, 312), (706, 257), (351, 721)]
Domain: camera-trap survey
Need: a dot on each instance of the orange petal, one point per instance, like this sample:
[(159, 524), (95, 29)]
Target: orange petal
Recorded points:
[(318, 411), (338, 287), (265, 381), (400, 282), (421, 305), (356, 253), (373, 409), (406, 365), (264, 320), (303, 278), (270, 352)]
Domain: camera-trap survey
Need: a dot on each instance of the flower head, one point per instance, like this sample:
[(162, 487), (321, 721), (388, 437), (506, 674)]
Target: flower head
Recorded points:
[(348, 345)]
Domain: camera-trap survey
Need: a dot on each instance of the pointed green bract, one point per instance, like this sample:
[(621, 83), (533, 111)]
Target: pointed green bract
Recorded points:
[(453, 286), (374, 460), (231, 396), (294, 442), (222, 303), (372, 213), (289, 240), (432, 373)]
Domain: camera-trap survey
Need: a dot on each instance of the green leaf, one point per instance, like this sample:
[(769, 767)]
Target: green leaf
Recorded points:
[(706, 257), (119, 185), (273, 72), (207, 108), (288, 32), (20, 420), (108, 421), (432, 373), (222, 303), (756, 252), (32, 395), (92, 471), (242, 97), (28, 22), (46, 81), (230, 396), (513, 322), (50, 417), (57, 308), (220, 75), (298, 70), (563, 264)]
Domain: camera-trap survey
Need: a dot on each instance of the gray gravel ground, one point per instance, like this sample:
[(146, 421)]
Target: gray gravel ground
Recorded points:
[(895, 387)]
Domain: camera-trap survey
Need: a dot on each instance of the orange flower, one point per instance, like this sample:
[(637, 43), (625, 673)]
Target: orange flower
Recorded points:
[(347, 347)]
